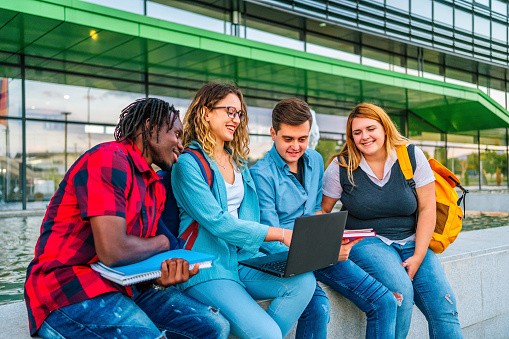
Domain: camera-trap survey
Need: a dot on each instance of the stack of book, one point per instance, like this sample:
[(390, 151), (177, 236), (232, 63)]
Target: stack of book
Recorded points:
[(360, 233)]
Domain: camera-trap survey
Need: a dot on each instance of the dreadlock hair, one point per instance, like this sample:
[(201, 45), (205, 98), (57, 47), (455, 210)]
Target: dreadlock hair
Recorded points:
[(197, 128), (134, 117)]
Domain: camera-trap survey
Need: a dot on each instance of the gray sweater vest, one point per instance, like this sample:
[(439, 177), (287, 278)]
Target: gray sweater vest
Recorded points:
[(390, 210)]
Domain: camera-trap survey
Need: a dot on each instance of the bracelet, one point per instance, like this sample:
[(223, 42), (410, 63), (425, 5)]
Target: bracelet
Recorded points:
[(158, 287), (283, 237)]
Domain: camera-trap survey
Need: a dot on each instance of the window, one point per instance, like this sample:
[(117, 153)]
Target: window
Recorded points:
[(499, 7), (463, 20), (402, 5), (498, 31), (134, 6), (421, 8), (481, 26), (442, 13)]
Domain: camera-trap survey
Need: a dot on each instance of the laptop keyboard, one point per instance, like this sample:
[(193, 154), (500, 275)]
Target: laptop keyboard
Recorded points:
[(278, 266)]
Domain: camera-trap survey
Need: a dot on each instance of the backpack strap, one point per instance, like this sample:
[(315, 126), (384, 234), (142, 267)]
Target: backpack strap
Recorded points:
[(205, 168), (405, 165), (408, 172), (191, 233)]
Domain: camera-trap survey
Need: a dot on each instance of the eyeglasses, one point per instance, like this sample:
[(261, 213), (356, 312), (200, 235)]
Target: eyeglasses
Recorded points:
[(232, 112)]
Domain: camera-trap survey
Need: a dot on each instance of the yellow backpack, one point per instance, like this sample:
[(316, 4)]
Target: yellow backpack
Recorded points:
[(449, 212)]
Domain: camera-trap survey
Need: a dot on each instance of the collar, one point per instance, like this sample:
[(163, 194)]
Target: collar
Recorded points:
[(280, 163), (138, 160), (389, 162)]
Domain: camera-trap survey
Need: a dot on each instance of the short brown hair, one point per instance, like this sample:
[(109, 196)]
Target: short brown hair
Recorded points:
[(291, 111)]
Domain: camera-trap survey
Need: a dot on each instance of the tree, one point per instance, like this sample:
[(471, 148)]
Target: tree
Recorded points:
[(494, 163)]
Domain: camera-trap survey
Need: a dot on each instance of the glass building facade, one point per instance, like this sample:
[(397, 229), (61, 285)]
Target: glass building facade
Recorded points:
[(57, 101)]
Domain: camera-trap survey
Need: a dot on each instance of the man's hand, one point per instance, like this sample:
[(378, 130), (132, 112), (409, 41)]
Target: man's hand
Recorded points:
[(346, 246), (175, 271)]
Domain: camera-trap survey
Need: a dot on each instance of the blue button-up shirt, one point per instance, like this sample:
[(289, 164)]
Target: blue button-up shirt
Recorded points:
[(281, 196)]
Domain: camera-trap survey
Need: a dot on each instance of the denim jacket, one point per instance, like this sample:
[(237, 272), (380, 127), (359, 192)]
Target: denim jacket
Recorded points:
[(282, 197), (229, 238)]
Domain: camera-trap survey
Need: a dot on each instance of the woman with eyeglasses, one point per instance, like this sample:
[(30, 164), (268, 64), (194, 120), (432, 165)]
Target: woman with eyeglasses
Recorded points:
[(228, 217)]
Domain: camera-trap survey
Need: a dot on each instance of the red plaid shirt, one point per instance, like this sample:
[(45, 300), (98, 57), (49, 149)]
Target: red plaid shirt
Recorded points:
[(99, 183)]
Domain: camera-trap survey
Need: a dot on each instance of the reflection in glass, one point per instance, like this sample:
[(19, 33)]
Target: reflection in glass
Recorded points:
[(275, 39), (481, 26), (134, 6), (464, 162), (499, 31), (483, 2), (46, 153), (499, 7), (47, 101), (10, 99), (443, 13), (10, 164), (462, 20), (184, 17), (421, 8), (399, 4)]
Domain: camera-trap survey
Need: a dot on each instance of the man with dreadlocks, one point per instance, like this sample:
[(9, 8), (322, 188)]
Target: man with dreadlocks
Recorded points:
[(107, 208)]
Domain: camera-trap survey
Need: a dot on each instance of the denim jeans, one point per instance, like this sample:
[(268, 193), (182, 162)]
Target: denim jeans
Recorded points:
[(429, 289), (313, 321), (367, 293), (150, 314), (238, 303)]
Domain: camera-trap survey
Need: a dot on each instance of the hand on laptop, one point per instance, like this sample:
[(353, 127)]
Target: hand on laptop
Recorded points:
[(288, 237), (346, 246)]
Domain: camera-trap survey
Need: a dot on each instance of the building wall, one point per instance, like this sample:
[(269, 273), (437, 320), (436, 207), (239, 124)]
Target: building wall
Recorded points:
[(384, 34)]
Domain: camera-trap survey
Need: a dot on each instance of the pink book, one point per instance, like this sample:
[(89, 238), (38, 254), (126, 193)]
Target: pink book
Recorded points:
[(356, 234)]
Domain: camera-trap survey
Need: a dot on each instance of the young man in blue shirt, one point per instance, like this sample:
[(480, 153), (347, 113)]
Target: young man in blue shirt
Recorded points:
[(288, 180)]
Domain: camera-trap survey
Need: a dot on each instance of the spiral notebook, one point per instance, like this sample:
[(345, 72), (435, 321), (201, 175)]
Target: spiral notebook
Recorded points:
[(150, 268)]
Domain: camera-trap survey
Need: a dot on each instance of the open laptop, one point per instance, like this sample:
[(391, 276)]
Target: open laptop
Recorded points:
[(315, 244)]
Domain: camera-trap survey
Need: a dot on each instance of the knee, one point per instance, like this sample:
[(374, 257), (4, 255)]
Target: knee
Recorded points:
[(404, 296), (303, 285), (390, 302), (265, 329)]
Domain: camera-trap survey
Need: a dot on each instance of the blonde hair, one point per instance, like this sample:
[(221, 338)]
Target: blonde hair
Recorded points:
[(197, 128), (349, 155)]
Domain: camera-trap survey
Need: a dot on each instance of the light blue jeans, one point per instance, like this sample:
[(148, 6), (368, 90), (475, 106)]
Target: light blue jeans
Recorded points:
[(238, 304), (151, 314), (367, 293), (429, 289)]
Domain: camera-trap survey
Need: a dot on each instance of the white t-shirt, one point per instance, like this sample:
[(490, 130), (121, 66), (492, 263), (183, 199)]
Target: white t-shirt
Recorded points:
[(423, 175), (235, 194)]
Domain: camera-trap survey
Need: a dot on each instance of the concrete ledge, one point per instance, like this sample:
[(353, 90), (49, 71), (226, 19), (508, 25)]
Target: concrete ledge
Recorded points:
[(477, 265), (492, 201)]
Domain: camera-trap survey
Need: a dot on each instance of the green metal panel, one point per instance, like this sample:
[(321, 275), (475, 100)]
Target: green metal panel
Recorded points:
[(60, 32)]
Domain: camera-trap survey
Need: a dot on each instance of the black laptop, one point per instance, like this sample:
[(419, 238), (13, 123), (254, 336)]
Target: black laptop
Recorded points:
[(315, 244)]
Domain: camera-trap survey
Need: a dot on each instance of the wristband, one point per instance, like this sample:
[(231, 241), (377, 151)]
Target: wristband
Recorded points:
[(158, 287)]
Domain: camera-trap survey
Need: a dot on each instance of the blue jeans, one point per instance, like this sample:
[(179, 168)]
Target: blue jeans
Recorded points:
[(238, 303), (367, 293), (313, 321), (150, 314), (429, 289)]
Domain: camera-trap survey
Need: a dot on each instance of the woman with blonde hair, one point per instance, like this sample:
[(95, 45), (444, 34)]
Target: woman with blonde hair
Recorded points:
[(367, 178), (228, 217)]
